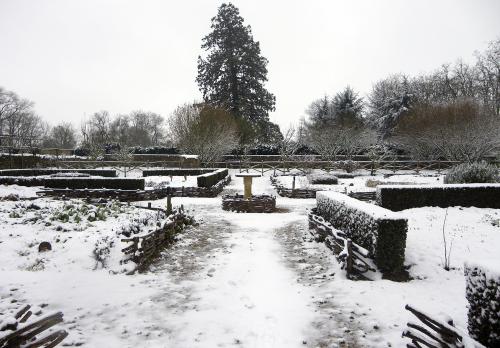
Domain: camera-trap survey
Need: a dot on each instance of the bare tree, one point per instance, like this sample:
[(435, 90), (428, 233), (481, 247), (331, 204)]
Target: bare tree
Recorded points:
[(459, 131), (62, 136), (205, 131)]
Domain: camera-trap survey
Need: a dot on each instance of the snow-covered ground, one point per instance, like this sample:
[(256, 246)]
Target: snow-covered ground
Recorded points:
[(249, 280), (362, 182)]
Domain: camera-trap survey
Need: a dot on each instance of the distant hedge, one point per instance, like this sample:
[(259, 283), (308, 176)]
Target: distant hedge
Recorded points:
[(483, 295), (210, 179), (400, 197), (95, 183), (323, 179), (176, 172), (39, 172), (380, 231)]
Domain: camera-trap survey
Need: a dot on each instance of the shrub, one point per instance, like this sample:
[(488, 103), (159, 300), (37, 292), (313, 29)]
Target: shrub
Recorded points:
[(401, 197), (380, 231), (483, 295), (176, 172), (325, 179), (210, 179), (95, 183), (468, 173)]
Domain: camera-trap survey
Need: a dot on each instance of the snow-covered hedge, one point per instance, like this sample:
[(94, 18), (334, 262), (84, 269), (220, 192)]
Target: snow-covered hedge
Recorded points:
[(212, 178), (400, 197), (51, 171), (468, 173), (95, 183), (323, 179), (176, 172), (483, 294), (380, 231)]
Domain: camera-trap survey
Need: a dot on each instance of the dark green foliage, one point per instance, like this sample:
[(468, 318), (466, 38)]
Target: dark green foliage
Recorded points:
[(403, 197), (384, 237), (468, 173), (323, 179), (95, 183), (176, 172), (209, 180), (483, 295), (233, 74), (38, 172)]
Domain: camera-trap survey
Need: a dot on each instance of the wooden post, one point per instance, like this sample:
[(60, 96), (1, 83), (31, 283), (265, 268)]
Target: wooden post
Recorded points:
[(349, 259), (293, 183), (149, 204), (169, 204), (262, 167)]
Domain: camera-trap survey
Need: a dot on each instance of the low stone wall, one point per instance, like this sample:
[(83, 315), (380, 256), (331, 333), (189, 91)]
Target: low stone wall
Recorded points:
[(257, 204)]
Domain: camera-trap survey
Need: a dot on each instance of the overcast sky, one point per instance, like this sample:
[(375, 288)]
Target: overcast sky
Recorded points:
[(73, 58)]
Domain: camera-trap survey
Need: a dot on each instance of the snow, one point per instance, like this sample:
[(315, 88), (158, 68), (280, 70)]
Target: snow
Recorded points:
[(371, 209), (249, 280)]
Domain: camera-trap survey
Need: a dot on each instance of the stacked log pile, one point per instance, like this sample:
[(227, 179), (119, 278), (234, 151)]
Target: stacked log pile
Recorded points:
[(29, 330)]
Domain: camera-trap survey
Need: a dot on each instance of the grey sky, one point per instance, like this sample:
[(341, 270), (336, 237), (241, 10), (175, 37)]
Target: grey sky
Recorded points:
[(78, 57)]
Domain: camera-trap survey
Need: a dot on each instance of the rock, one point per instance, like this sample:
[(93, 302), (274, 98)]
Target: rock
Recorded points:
[(44, 246)]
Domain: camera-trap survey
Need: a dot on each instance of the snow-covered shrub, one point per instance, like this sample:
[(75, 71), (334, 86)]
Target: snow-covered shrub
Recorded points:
[(95, 183), (349, 165), (212, 178), (483, 295), (325, 179), (400, 197), (55, 171), (380, 231), (468, 173), (176, 172)]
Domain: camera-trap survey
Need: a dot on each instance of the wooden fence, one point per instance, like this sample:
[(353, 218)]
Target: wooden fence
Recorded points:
[(26, 332), (434, 333), (143, 250), (352, 257)]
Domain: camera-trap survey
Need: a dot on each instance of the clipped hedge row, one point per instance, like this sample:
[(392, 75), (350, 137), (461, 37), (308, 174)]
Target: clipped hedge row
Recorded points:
[(38, 172), (95, 183), (380, 231), (400, 197), (483, 295), (22, 181), (176, 172), (323, 179), (212, 178)]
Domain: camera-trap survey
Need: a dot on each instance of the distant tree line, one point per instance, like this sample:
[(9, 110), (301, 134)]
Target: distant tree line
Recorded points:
[(452, 113)]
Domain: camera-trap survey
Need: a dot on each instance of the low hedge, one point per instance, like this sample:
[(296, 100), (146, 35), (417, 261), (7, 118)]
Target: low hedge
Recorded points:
[(176, 172), (380, 231), (212, 178), (400, 197), (483, 295), (22, 180), (95, 183), (323, 179), (50, 171)]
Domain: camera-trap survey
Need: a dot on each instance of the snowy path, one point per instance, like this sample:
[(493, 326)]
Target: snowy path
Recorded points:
[(247, 286)]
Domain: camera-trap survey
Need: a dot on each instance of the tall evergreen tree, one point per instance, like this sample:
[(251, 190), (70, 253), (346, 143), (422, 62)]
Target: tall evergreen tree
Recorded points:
[(347, 107), (233, 73)]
